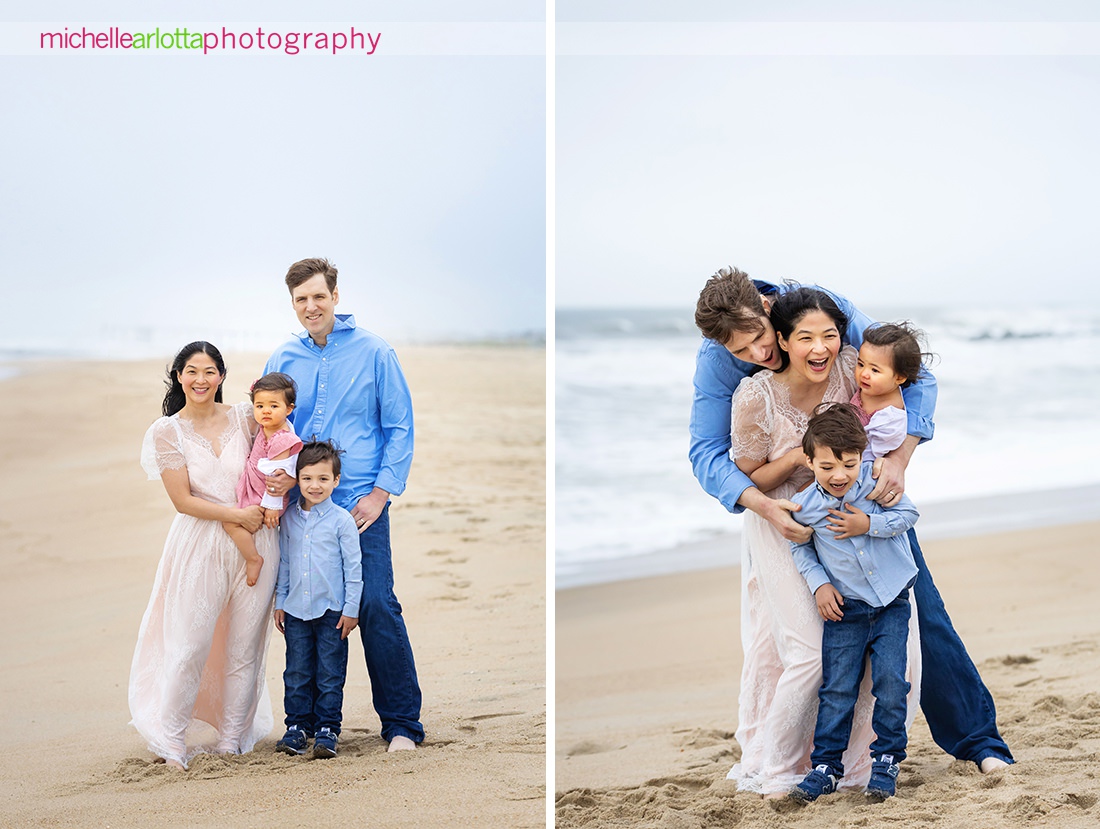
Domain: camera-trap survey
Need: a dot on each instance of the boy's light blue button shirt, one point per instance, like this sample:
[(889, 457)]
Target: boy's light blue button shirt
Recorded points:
[(320, 564), (873, 568)]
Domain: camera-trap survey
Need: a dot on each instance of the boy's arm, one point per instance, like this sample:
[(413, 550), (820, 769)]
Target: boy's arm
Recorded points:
[(352, 559), (282, 583), (826, 597), (809, 565)]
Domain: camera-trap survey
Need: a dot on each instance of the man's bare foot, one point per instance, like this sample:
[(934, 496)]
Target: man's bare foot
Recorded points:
[(252, 570), (992, 764), (174, 764), (400, 743)]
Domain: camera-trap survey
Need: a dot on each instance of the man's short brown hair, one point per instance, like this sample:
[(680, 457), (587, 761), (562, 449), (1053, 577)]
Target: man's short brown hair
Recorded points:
[(306, 269), (728, 303)]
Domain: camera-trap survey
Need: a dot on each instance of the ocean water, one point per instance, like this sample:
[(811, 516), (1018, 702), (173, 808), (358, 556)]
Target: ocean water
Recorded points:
[(1019, 393)]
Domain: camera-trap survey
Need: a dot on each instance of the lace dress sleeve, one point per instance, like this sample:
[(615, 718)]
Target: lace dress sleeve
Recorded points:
[(243, 412), (162, 448), (752, 420)]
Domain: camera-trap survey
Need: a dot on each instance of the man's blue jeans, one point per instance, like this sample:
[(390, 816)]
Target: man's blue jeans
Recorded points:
[(316, 666), (386, 647), (865, 630), (955, 701)]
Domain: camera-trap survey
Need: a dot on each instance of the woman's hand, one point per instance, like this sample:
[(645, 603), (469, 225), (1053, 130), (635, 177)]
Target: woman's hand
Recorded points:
[(251, 518)]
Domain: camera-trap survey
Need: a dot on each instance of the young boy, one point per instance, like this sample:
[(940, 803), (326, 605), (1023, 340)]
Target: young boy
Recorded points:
[(316, 603), (859, 567)]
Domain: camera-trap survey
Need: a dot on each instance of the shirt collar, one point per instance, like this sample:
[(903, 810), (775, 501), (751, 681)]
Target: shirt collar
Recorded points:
[(321, 509), (343, 322)]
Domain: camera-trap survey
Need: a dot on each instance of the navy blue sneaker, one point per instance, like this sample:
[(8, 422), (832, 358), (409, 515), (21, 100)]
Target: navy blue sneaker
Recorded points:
[(294, 741), (324, 744), (818, 782), (884, 778)]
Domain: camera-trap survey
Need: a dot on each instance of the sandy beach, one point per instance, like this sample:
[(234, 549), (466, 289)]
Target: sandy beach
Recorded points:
[(82, 531), (647, 683)]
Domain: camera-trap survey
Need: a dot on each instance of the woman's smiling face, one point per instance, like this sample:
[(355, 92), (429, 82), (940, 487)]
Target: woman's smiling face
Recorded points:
[(813, 346), (200, 378)]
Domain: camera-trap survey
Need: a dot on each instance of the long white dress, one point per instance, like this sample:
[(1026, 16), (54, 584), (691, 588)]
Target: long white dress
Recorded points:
[(202, 646), (780, 624)]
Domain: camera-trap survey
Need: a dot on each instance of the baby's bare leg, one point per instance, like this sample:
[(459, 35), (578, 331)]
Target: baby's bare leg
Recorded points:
[(253, 561)]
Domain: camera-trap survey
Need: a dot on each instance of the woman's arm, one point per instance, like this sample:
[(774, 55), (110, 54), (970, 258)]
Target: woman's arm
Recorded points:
[(767, 475), (178, 486)]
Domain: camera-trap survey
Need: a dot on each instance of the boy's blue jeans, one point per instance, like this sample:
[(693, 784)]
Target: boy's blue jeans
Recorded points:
[(316, 667), (956, 704), (386, 647), (881, 633)]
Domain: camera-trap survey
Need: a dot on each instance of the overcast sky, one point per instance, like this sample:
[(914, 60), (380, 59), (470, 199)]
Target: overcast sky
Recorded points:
[(891, 177), (154, 191)]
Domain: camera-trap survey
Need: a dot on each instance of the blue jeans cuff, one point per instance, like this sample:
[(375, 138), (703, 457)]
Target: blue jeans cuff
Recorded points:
[(990, 753), (401, 732)]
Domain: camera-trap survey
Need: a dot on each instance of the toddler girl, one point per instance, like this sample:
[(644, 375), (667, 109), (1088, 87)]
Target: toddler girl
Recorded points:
[(889, 361), (275, 447)]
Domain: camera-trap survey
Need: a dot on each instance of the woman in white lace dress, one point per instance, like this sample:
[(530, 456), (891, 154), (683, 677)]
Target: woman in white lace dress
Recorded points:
[(202, 645), (780, 624)]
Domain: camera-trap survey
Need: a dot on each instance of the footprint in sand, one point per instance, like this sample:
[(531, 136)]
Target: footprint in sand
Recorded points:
[(589, 747)]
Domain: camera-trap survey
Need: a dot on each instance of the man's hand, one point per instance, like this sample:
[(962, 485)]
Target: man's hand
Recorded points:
[(280, 483), (369, 507), (346, 625), (848, 524), (829, 602), (776, 512), (889, 473), (280, 621), (271, 518)]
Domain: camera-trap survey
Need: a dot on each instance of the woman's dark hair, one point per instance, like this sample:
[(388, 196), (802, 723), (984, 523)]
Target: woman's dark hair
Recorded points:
[(904, 341), (789, 308), (276, 381), (174, 398)]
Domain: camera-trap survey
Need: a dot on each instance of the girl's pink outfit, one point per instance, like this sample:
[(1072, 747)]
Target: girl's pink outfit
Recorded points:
[(252, 486)]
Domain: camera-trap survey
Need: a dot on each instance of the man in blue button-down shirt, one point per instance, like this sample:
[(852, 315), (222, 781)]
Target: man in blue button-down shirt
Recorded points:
[(738, 340), (859, 567), (351, 390)]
